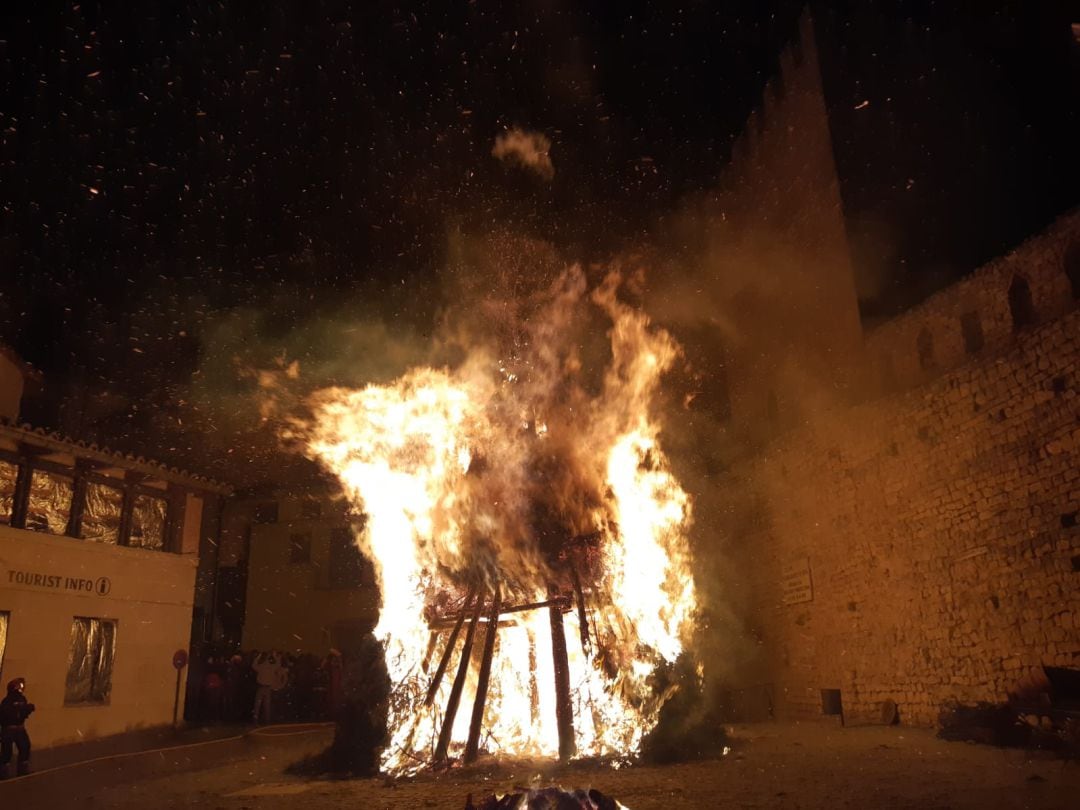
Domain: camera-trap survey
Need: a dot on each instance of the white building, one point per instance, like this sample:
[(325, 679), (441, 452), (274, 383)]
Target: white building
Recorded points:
[(98, 561)]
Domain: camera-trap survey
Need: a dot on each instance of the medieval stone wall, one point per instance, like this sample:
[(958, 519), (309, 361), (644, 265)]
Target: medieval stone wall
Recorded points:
[(776, 256), (975, 315), (923, 546)]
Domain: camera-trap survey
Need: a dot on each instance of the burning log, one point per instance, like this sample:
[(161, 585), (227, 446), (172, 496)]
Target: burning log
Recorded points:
[(583, 619), (436, 679), (472, 748), (564, 710), (559, 601), (443, 745)]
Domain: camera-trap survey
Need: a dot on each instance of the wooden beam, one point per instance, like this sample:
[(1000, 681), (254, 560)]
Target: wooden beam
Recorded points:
[(436, 679), (583, 618), (472, 747), (175, 507), (127, 510), (562, 602), (78, 501), (564, 709), (20, 505), (447, 731)]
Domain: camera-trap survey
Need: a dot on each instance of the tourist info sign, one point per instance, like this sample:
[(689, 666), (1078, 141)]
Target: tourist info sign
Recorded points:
[(795, 583)]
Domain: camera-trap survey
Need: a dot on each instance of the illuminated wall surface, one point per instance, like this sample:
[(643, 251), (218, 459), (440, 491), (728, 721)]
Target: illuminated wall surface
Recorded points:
[(51, 587), (98, 556), (900, 506), (308, 587), (923, 546)]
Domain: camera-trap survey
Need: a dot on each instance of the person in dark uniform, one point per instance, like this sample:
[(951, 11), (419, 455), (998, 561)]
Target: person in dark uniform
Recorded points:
[(14, 709)]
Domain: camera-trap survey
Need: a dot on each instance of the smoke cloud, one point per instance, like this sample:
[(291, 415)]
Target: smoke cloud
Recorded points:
[(530, 150)]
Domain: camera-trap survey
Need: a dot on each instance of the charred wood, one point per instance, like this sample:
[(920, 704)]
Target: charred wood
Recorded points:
[(436, 679), (472, 747), (459, 683), (564, 710)]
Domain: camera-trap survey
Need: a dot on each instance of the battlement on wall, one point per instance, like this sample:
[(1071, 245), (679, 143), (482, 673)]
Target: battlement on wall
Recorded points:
[(782, 172), (981, 314), (778, 251), (788, 100)]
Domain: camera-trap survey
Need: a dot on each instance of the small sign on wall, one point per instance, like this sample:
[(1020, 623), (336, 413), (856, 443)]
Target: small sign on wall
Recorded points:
[(796, 585), (58, 582)]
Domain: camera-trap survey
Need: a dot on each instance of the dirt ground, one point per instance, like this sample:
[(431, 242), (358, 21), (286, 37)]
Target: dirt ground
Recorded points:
[(774, 766)]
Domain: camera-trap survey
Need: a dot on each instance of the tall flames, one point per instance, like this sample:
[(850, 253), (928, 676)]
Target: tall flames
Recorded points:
[(485, 477)]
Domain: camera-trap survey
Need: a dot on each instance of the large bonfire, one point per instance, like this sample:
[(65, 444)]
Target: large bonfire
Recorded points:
[(482, 479)]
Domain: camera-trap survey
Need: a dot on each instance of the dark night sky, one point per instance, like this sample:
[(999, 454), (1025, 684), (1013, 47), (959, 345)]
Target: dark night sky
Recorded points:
[(163, 164)]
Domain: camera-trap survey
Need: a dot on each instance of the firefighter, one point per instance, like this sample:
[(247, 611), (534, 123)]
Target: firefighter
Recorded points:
[(14, 709)]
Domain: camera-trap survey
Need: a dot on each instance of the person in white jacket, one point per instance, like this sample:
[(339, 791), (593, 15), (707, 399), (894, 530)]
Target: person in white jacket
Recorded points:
[(270, 676)]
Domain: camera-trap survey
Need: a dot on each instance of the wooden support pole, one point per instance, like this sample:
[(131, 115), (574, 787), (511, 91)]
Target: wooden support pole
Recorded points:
[(443, 745), (436, 679), (564, 709), (472, 747), (432, 640), (78, 501), (583, 618)]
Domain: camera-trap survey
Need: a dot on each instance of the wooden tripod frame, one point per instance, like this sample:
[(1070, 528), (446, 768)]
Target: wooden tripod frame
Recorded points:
[(475, 604)]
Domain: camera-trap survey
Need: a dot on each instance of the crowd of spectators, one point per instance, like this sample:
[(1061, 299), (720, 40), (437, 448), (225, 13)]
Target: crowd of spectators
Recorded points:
[(270, 686)]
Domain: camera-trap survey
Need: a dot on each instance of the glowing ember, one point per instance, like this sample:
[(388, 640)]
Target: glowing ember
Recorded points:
[(514, 475)]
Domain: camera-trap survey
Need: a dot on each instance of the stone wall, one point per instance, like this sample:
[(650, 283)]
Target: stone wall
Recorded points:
[(923, 546), (1048, 265), (775, 267)]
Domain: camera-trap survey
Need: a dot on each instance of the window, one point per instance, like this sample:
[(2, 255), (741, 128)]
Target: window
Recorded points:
[(925, 345), (93, 648), (266, 512), (310, 509), (348, 568), (101, 513), (8, 473), (299, 548), (50, 502), (971, 328), (4, 618), (1020, 305), (831, 702), (148, 522)]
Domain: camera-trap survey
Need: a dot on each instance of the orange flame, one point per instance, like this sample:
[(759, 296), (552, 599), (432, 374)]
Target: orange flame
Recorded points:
[(467, 475)]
